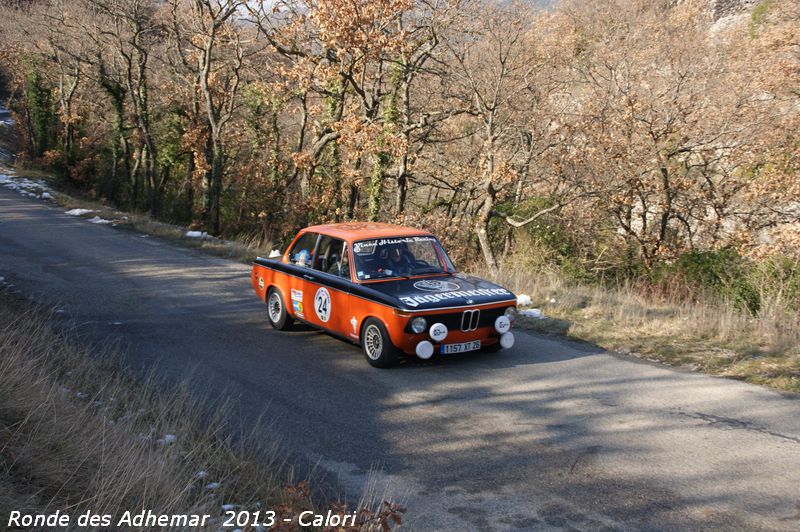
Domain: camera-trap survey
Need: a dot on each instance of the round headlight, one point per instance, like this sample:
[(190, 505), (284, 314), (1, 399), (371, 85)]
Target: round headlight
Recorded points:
[(510, 313), (418, 324)]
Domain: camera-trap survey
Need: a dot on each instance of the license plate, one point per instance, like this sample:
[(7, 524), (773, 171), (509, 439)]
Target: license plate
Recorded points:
[(447, 349)]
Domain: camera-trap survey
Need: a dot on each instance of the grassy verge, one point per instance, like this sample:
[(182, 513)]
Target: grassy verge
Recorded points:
[(77, 435), (706, 334)]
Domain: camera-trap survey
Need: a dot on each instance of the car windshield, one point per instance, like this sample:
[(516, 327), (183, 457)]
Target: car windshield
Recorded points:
[(399, 257)]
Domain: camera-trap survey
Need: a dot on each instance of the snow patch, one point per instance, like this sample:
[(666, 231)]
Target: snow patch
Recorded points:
[(78, 212), (46, 195), (201, 474), (26, 187), (98, 220), (532, 313), (168, 439), (213, 485), (196, 234), (523, 300), (274, 253), (228, 507)]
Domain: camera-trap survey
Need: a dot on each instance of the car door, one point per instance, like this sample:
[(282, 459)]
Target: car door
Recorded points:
[(327, 290), (301, 256)]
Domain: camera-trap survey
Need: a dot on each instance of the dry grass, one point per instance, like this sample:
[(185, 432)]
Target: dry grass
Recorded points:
[(77, 435), (705, 334)]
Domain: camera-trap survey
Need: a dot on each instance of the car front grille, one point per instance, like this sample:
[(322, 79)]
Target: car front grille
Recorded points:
[(467, 320), (470, 319)]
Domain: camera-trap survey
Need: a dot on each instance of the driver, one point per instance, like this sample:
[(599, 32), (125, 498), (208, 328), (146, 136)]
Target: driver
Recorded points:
[(395, 259)]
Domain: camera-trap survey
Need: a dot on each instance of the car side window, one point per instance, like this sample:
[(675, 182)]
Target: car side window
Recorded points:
[(344, 268), (329, 255), (341, 267), (302, 252)]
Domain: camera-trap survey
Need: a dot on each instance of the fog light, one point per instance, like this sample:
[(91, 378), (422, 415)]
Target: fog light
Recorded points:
[(438, 332), (507, 340), (418, 324), (502, 324), (425, 349), (511, 314)]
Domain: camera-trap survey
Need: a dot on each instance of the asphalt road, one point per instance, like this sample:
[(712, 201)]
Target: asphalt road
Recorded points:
[(548, 435)]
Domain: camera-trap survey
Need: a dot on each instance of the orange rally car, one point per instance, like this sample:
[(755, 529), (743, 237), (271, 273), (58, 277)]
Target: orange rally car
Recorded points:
[(389, 288)]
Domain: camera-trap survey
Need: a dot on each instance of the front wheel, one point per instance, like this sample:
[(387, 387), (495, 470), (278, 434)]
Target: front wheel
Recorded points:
[(377, 346), (276, 311)]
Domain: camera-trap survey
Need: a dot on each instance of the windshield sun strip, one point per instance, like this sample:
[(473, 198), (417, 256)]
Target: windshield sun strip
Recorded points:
[(435, 244)]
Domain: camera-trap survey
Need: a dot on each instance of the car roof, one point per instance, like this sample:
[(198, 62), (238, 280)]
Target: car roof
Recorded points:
[(351, 231)]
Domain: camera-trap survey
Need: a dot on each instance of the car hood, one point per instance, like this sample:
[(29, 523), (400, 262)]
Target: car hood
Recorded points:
[(440, 291)]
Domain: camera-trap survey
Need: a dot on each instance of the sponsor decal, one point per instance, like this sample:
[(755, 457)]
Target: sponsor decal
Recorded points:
[(297, 295), (261, 283), (415, 301), (434, 285), (322, 304), (367, 247), (354, 323), (298, 308)]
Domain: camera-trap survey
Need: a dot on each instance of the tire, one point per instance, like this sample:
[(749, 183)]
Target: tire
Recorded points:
[(276, 310), (377, 347)]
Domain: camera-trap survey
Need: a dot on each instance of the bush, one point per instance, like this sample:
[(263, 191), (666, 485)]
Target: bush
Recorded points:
[(724, 273)]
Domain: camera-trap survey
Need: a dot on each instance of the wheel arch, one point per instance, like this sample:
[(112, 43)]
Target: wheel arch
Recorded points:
[(382, 322)]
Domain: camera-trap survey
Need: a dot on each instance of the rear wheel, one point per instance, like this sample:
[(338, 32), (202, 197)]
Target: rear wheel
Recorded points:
[(377, 346), (276, 310)]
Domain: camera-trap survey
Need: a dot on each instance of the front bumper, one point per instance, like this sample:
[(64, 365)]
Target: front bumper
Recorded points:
[(487, 336)]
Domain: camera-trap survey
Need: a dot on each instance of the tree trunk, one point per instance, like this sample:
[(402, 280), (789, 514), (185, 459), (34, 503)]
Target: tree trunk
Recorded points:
[(402, 185), (482, 227), (188, 188), (216, 186), (352, 201)]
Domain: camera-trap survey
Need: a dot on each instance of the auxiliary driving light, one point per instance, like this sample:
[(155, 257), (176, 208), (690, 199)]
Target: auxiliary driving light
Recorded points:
[(506, 340), (418, 324), (502, 324), (425, 349), (511, 314), (438, 332)]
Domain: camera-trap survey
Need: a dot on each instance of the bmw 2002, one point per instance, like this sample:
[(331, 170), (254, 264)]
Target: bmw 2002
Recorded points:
[(388, 288)]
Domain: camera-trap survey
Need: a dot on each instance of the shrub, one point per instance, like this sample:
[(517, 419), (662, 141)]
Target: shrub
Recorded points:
[(724, 273)]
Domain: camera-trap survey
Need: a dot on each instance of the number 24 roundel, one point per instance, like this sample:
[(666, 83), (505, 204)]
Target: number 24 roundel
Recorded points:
[(322, 304)]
